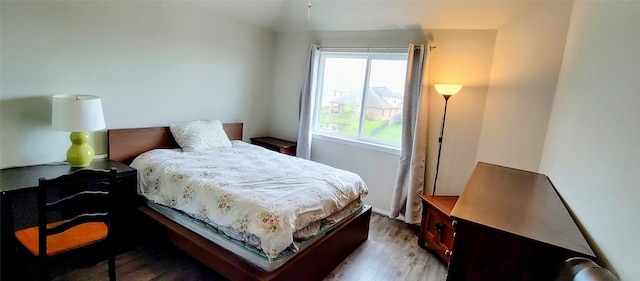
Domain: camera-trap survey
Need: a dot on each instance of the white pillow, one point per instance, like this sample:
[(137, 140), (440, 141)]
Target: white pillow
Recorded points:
[(200, 135)]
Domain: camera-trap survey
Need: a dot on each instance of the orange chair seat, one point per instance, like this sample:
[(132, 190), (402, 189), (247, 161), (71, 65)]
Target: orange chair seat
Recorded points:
[(75, 237)]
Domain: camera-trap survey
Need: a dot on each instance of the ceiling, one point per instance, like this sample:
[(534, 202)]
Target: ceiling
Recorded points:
[(358, 15)]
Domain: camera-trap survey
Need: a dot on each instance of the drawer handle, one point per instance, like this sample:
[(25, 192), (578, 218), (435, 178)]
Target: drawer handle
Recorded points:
[(448, 253), (453, 223)]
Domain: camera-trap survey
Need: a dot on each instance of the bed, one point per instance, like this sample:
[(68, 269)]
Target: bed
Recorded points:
[(317, 256)]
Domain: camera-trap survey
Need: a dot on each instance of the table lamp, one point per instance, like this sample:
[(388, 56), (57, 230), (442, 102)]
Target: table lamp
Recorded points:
[(78, 114), (446, 90)]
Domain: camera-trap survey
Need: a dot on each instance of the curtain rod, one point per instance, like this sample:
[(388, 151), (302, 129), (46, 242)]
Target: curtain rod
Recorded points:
[(430, 47), (365, 48)]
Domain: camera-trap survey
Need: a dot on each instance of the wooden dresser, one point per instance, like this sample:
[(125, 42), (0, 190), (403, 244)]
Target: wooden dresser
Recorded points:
[(512, 225)]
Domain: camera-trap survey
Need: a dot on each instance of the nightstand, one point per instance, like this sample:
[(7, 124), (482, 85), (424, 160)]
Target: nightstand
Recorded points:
[(437, 228), (18, 188), (282, 146)]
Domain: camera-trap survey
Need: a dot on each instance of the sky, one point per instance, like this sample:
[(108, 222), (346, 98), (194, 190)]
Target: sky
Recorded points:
[(347, 74)]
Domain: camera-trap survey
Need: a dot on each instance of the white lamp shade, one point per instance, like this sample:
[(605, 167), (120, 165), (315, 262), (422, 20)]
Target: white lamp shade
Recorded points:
[(447, 89), (77, 113)]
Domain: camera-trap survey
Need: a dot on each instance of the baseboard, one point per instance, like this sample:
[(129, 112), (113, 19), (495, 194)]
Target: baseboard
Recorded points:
[(386, 213)]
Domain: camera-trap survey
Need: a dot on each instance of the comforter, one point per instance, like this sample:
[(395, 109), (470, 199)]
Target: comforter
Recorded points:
[(248, 188)]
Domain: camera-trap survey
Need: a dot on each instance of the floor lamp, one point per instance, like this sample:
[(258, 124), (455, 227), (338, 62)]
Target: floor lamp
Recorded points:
[(446, 90)]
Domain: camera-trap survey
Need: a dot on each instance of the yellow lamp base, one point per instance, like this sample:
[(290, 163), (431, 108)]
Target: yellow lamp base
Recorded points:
[(80, 154)]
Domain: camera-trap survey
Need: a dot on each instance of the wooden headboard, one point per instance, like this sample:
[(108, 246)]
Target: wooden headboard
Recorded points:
[(126, 144)]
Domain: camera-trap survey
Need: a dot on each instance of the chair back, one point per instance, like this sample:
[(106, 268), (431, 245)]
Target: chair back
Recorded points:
[(73, 199)]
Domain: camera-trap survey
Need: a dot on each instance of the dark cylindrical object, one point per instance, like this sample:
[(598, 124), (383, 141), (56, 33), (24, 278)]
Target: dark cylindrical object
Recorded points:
[(583, 269)]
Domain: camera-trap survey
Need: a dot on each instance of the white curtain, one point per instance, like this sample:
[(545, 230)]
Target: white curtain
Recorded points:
[(307, 100), (411, 169)]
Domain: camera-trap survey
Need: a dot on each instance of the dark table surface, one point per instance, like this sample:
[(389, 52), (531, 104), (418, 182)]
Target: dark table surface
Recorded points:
[(19, 178)]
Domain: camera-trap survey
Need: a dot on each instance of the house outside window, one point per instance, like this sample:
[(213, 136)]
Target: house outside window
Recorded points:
[(360, 97)]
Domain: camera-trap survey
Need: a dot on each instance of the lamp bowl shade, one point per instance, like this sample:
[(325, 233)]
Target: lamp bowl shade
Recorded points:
[(447, 89), (77, 113)]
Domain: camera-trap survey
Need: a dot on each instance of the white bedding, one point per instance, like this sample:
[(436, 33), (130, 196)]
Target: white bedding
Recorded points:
[(247, 188)]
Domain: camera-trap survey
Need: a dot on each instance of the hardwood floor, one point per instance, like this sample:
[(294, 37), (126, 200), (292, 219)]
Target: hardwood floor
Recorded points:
[(390, 253)]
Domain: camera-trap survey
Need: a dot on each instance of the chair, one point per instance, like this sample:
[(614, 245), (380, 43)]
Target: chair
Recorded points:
[(74, 211)]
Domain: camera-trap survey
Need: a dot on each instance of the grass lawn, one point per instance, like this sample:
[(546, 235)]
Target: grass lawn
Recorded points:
[(349, 126)]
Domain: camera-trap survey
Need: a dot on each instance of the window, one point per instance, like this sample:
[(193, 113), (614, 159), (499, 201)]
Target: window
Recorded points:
[(351, 82)]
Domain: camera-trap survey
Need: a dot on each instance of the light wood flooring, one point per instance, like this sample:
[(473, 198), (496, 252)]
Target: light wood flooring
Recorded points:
[(390, 253)]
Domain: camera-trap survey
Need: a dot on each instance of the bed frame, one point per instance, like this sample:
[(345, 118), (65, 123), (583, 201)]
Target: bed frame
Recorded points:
[(313, 263)]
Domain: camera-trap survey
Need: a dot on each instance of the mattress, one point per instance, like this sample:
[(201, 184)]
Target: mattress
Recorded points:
[(245, 251), (261, 198)]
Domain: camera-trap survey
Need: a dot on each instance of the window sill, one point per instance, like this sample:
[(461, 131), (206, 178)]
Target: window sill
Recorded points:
[(356, 143)]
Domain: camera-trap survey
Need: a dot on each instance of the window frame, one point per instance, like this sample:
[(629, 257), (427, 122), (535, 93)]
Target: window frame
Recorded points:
[(359, 140)]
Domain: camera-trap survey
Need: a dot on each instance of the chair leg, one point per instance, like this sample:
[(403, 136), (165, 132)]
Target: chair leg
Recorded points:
[(112, 268), (43, 272), (43, 269)]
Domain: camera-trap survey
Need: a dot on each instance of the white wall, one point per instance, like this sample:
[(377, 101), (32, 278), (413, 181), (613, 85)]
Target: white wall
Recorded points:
[(462, 56), (526, 64), (592, 149), (377, 169), (152, 63)]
